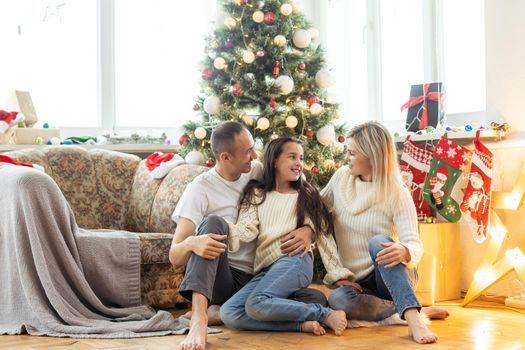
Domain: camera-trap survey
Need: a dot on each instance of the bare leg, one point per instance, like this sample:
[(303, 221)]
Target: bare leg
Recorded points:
[(214, 318), (417, 328), (337, 321), (313, 327), (434, 312), (196, 338)]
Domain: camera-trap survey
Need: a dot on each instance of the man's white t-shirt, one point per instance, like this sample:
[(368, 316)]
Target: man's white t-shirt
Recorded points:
[(210, 194)]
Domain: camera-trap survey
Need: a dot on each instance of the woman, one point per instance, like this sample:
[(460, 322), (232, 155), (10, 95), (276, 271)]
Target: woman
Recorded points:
[(368, 198), (270, 208)]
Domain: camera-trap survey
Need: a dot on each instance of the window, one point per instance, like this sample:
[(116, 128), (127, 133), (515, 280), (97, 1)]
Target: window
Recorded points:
[(400, 43)]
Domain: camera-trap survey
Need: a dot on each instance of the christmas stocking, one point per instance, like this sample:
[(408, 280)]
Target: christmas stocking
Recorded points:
[(476, 202), (415, 165), (449, 162)]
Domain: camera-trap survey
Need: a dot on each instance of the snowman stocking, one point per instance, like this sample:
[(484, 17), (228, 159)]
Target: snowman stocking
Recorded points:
[(476, 201), (449, 162), (415, 165)]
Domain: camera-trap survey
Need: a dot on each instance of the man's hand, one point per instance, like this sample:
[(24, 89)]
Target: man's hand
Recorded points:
[(345, 282), (208, 246), (392, 255), (297, 241)]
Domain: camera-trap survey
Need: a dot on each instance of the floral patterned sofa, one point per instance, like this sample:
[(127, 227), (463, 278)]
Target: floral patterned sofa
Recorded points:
[(114, 190)]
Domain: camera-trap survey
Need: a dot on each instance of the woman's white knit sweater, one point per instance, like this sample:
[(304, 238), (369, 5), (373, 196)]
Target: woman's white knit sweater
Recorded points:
[(270, 221), (357, 218)]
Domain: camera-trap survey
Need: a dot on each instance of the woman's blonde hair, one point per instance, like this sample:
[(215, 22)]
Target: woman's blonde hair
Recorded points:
[(374, 141)]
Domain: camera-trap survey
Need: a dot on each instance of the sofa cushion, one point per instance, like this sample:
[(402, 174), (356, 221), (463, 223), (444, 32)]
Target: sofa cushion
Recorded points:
[(155, 247)]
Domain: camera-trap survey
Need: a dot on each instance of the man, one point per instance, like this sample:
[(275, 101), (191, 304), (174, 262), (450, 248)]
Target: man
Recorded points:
[(212, 275)]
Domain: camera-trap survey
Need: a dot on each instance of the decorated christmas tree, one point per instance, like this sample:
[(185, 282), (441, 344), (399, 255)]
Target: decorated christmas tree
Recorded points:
[(264, 68)]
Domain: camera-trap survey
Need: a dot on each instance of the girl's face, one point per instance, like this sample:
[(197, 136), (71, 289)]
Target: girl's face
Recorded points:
[(358, 163), (289, 164)]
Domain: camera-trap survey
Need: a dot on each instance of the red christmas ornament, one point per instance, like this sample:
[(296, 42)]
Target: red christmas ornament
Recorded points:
[(276, 70), (269, 18), (243, 2), (237, 90), (228, 44), (272, 103), (196, 107), (183, 139), (309, 133), (210, 163), (315, 170), (311, 100), (301, 66), (207, 74), (341, 139)]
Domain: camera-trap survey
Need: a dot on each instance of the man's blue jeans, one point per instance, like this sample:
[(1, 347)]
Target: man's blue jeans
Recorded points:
[(262, 303), (385, 291)]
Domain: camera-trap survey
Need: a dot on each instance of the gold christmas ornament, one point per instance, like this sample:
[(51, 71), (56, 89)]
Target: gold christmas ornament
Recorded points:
[(263, 123), (279, 40), (316, 109), (200, 133), (329, 164), (219, 63), (248, 57), (247, 119), (286, 9), (258, 16), (229, 22), (291, 121)]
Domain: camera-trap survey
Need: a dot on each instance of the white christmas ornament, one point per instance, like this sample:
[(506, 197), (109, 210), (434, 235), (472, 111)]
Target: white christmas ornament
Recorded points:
[(339, 147), (55, 141), (286, 9), (194, 157), (211, 104), (230, 22), (326, 135), (263, 123), (323, 78), (331, 99), (258, 16), (297, 6), (219, 63), (200, 133), (291, 121), (316, 109), (285, 83), (248, 56), (314, 33), (302, 38), (279, 40)]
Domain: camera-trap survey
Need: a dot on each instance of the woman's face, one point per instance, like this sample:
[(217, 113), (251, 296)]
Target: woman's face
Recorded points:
[(289, 164), (358, 163)]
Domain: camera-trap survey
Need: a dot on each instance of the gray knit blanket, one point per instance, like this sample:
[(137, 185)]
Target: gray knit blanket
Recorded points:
[(59, 280)]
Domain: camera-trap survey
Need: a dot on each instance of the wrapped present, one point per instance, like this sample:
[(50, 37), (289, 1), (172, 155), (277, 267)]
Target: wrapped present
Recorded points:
[(426, 106)]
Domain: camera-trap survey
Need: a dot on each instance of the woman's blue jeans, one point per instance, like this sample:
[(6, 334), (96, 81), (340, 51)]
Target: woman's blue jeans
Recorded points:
[(262, 305), (385, 290)]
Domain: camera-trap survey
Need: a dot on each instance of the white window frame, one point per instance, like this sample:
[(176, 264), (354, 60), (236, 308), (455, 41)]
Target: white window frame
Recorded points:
[(433, 54)]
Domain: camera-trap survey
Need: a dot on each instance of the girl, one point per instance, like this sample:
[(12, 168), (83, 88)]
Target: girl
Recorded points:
[(368, 198), (270, 208)]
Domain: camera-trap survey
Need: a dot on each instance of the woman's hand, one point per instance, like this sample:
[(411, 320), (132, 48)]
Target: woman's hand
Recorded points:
[(392, 255), (345, 282)]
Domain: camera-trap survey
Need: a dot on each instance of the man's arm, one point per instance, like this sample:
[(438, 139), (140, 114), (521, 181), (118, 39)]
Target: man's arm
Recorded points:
[(185, 242), (297, 241)]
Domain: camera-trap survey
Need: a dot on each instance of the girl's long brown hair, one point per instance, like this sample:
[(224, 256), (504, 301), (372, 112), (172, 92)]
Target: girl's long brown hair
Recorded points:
[(309, 203)]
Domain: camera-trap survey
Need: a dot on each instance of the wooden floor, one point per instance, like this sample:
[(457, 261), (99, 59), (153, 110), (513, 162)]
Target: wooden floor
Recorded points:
[(482, 326)]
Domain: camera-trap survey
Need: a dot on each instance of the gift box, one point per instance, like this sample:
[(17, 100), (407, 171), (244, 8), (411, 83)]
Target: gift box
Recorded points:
[(28, 136), (8, 137), (426, 106)]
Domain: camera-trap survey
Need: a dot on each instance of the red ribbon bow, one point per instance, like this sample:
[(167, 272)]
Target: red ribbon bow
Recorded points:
[(432, 96)]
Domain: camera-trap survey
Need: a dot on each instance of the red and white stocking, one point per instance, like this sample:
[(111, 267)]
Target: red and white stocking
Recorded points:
[(414, 166), (476, 201)]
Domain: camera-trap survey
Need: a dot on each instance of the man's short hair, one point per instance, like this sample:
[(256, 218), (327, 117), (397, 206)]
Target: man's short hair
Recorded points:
[(223, 137)]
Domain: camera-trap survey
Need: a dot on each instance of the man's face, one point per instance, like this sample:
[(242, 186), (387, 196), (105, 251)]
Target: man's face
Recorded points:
[(243, 153)]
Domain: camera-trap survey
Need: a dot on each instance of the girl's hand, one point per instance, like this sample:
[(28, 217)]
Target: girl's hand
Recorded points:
[(356, 286), (392, 255)]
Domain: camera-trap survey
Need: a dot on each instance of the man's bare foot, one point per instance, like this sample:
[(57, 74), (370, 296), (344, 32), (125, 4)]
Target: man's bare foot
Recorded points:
[(417, 328), (434, 312), (313, 327), (337, 321), (214, 317), (196, 338)]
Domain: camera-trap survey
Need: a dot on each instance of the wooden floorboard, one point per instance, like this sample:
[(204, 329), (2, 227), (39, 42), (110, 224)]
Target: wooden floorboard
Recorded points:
[(483, 326)]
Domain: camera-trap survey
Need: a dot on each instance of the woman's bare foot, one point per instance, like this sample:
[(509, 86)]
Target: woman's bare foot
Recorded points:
[(434, 312), (313, 327), (336, 320), (214, 317), (196, 338), (417, 328)]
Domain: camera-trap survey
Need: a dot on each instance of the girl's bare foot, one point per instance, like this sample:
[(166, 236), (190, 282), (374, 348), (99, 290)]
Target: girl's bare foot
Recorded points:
[(337, 321), (417, 328), (313, 327), (434, 312)]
